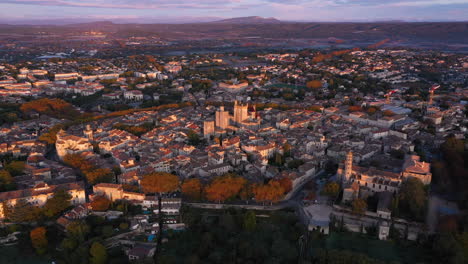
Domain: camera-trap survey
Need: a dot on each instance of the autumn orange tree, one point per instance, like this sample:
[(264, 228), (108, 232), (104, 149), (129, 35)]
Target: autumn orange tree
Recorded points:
[(192, 188), (53, 107), (354, 108), (159, 183), (224, 187), (247, 192), (39, 239), (359, 206), (271, 192), (99, 175), (93, 174), (286, 183), (100, 203), (315, 84)]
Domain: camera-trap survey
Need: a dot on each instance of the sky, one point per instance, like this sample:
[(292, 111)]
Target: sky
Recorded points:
[(171, 11)]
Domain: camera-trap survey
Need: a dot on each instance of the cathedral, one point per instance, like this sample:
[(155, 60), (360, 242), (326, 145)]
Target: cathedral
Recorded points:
[(242, 119)]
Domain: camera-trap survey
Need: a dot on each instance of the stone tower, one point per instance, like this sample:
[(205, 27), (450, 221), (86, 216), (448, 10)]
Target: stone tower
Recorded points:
[(241, 112), (208, 128), (88, 132), (348, 169), (222, 118)]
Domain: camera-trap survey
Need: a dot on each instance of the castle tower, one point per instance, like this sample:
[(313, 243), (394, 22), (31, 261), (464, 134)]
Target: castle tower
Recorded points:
[(222, 118), (208, 128), (241, 112), (348, 170)]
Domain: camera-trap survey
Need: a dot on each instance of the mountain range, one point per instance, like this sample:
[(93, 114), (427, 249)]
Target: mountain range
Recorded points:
[(267, 28)]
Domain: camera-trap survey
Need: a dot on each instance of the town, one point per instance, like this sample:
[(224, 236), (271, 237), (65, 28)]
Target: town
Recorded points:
[(121, 158)]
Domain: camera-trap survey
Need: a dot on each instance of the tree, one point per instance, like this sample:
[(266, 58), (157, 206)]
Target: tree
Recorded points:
[(98, 253), (57, 204), (193, 138), (286, 183), (22, 211), (250, 221), (224, 187), (192, 189), (99, 175), (315, 84), (15, 168), (78, 230), (39, 239), (354, 108), (6, 181), (100, 203), (331, 189), (52, 107), (271, 192), (246, 193), (359, 206), (159, 182), (294, 164), (412, 199)]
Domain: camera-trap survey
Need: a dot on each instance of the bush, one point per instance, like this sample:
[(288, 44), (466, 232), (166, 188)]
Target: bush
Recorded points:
[(123, 226)]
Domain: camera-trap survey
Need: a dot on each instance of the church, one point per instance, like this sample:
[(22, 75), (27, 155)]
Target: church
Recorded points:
[(371, 180), (243, 118)]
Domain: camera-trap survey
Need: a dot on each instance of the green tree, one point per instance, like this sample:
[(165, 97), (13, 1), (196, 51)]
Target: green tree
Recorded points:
[(78, 230), (250, 221), (6, 181), (193, 138), (107, 231), (57, 204), (98, 253), (15, 168), (412, 199)]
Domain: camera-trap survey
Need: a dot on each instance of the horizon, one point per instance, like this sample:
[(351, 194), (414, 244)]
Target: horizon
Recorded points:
[(193, 11), (184, 20)]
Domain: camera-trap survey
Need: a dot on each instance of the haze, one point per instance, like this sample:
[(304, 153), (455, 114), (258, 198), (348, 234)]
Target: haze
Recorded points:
[(182, 11)]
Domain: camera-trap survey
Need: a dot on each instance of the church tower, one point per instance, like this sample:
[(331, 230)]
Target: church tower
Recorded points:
[(241, 112), (222, 118), (89, 132), (348, 170), (208, 128)]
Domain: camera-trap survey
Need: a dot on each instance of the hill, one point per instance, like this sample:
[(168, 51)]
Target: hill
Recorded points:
[(248, 20)]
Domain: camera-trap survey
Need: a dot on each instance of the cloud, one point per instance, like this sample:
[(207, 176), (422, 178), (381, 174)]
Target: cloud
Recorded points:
[(135, 4), (368, 3), (429, 3)]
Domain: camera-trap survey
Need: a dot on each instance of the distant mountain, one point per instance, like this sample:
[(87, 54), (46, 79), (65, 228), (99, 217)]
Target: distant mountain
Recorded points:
[(248, 20), (246, 27)]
